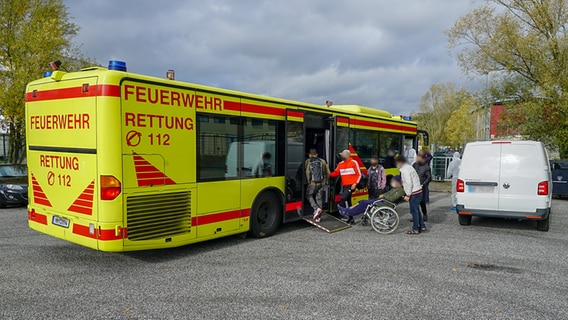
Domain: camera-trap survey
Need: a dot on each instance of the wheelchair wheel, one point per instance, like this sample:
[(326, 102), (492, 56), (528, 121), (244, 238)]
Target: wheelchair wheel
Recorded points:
[(384, 220)]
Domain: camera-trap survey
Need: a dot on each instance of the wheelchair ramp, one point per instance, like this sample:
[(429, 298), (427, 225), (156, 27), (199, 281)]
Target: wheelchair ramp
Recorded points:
[(328, 223)]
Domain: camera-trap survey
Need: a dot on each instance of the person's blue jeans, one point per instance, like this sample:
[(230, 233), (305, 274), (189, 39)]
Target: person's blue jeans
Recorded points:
[(417, 218)]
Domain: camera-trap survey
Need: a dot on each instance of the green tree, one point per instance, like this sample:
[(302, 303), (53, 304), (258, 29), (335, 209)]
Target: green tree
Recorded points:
[(32, 33), (527, 41), (460, 128), (436, 108)]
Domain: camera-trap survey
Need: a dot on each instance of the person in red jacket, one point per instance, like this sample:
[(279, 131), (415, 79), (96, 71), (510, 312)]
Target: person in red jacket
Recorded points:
[(350, 174)]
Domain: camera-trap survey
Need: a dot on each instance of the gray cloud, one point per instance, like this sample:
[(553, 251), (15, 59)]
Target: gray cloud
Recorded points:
[(378, 53)]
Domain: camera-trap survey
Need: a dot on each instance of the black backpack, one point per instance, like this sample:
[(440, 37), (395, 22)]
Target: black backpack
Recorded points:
[(316, 170), (363, 182)]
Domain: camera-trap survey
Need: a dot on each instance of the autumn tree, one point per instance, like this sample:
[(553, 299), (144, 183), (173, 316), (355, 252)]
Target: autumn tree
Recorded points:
[(436, 109), (526, 40), (32, 33), (460, 128)]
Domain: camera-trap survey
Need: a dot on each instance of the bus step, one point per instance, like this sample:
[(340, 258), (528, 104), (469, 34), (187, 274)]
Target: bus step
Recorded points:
[(328, 223)]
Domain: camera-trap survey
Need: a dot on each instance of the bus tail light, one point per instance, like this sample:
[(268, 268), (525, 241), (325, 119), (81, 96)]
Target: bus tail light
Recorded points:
[(460, 186), (110, 188), (543, 188)]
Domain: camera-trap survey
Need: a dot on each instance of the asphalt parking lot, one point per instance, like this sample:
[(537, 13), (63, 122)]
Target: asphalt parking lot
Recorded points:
[(494, 269)]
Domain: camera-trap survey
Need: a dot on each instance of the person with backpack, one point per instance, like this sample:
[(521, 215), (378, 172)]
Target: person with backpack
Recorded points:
[(377, 180), (317, 175)]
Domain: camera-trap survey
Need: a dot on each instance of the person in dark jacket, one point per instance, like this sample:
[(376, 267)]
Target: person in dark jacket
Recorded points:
[(377, 179), (428, 159), (425, 175)]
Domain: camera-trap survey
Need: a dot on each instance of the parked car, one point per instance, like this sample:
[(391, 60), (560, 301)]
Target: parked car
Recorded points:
[(507, 179), (559, 170), (13, 185)]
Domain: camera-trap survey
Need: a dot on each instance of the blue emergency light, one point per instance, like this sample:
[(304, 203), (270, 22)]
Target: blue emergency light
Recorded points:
[(47, 74), (407, 118), (117, 65)]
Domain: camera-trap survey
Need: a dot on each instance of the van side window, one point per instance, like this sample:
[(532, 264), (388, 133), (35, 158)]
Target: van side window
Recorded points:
[(214, 137)]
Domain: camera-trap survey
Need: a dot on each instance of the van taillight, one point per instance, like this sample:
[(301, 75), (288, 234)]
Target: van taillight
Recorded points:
[(543, 188), (460, 186), (110, 188)]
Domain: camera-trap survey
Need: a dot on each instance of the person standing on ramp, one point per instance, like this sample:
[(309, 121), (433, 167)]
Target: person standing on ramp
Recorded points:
[(317, 175), (350, 174)]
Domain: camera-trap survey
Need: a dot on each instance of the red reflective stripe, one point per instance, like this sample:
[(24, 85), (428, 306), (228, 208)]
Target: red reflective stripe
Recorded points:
[(343, 120), (84, 203), (293, 206), (79, 209), (83, 231), (101, 90), (150, 175), (110, 234), (245, 107), (381, 125), (534, 217), (465, 213), (155, 182), (100, 234), (217, 217), (37, 217), (296, 114)]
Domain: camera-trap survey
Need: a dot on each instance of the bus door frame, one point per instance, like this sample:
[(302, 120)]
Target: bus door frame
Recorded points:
[(333, 157), (293, 208)]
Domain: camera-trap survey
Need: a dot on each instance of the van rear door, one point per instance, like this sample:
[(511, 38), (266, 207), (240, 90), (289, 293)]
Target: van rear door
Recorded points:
[(480, 172), (523, 166)]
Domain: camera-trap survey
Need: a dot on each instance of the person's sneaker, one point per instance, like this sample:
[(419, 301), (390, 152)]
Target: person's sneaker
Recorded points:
[(317, 215), (342, 211)]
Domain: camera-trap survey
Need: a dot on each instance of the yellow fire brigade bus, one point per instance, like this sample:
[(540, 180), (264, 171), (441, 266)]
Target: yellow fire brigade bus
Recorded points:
[(120, 161)]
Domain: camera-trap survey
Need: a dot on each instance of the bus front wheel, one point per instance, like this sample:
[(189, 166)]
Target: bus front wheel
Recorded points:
[(265, 216)]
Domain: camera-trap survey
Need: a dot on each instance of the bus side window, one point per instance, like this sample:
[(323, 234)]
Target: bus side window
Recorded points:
[(261, 149), (216, 147)]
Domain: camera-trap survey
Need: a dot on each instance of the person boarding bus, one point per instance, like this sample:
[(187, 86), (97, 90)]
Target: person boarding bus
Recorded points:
[(317, 175), (350, 174)]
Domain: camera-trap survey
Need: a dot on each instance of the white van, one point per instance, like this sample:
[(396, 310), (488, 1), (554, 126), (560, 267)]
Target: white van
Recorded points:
[(508, 179)]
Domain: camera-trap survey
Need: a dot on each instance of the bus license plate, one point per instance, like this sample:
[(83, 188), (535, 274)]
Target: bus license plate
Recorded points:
[(481, 189), (58, 221)]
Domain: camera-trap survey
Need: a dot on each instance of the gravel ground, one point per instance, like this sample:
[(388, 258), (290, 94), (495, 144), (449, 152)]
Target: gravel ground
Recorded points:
[(494, 269)]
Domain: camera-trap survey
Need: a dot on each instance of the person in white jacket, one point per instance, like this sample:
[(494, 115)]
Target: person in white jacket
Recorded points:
[(453, 172), (410, 153), (413, 190)]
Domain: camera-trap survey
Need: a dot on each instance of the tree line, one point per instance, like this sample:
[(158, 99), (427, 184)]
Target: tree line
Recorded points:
[(521, 48)]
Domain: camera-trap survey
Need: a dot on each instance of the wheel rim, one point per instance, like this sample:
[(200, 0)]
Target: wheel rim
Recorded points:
[(384, 220), (265, 215)]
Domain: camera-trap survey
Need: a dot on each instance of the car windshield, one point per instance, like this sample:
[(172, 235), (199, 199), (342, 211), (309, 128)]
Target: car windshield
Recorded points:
[(13, 171)]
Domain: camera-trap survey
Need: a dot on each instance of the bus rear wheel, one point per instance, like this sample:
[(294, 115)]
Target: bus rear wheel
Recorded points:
[(265, 216)]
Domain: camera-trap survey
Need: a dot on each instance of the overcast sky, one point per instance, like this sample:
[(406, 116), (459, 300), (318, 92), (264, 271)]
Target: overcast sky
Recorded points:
[(379, 53)]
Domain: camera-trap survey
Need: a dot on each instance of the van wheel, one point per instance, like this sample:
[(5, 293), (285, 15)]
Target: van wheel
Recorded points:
[(464, 220), (265, 216), (544, 224)]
